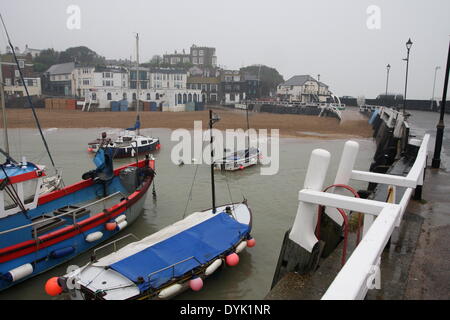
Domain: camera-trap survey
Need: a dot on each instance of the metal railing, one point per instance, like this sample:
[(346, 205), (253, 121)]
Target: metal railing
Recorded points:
[(172, 267), (352, 280), (71, 212), (114, 243)]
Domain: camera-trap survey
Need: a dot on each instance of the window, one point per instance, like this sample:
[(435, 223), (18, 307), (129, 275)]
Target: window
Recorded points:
[(21, 64), (231, 96), (195, 97), (108, 96), (179, 98), (195, 60), (9, 202), (190, 97), (124, 96), (157, 96), (200, 60), (194, 52), (148, 96), (94, 96), (86, 82), (8, 81), (204, 87), (144, 142), (134, 96), (201, 53)]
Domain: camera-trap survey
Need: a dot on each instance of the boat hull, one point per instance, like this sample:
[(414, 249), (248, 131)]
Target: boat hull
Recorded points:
[(64, 244)]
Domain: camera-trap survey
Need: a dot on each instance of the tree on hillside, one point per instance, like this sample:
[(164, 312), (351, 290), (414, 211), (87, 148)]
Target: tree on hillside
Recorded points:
[(81, 54), (270, 78)]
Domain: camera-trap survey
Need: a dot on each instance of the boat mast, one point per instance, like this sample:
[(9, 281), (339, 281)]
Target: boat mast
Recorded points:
[(2, 97), (137, 79), (28, 95), (212, 164), (248, 128)]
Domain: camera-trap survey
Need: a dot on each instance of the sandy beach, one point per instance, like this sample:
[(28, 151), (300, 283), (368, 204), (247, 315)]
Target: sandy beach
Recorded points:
[(289, 125)]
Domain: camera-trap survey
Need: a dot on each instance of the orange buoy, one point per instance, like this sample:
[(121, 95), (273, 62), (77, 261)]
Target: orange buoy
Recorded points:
[(251, 242), (111, 226), (52, 287), (232, 259)]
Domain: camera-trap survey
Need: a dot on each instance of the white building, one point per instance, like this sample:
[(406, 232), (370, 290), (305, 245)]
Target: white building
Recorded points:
[(303, 88), (90, 79)]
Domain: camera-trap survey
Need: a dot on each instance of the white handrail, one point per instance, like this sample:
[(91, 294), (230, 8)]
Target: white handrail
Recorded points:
[(352, 282)]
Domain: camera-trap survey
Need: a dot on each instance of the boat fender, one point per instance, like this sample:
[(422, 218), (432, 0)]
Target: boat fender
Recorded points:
[(19, 272), (170, 291), (120, 218), (241, 246), (52, 287), (59, 253), (251, 242), (196, 284), (111, 226), (122, 225), (94, 236), (213, 267), (232, 259)]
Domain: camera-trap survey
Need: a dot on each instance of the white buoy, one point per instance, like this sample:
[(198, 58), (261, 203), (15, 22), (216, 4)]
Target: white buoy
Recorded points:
[(120, 218), (122, 224), (94, 236), (170, 291), (21, 272), (241, 246), (213, 267)]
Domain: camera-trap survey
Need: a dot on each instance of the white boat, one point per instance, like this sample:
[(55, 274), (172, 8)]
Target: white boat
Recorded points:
[(166, 263), (240, 159)]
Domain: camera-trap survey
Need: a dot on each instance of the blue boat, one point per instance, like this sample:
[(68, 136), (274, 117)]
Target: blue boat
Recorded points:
[(167, 262), (39, 232)]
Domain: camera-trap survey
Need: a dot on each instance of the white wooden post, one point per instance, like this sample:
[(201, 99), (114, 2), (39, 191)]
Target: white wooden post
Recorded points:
[(302, 231), (343, 176)]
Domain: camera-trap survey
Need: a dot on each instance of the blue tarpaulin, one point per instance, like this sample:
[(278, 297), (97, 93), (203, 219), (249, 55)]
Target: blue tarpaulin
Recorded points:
[(204, 241)]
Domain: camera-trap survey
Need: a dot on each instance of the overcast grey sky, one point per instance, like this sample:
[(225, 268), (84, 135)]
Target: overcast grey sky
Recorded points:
[(326, 37)]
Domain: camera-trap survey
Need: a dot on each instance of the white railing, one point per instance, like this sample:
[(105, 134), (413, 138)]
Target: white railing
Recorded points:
[(352, 282)]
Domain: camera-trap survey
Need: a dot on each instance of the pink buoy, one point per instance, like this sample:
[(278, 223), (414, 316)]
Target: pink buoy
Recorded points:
[(196, 284), (110, 226), (251, 242), (232, 259), (241, 167)]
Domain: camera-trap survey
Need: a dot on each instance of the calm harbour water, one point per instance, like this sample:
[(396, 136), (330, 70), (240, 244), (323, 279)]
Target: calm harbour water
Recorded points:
[(273, 200)]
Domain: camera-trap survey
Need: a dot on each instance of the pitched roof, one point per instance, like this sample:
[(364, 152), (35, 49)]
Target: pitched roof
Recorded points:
[(298, 80), (62, 68)]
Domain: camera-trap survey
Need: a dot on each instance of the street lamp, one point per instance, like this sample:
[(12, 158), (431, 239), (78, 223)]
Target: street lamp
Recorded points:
[(388, 67), (440, 126), (408, 47), (434, 82)]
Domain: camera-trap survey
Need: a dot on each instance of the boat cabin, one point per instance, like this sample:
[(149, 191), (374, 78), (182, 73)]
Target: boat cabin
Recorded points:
[(20, 184)]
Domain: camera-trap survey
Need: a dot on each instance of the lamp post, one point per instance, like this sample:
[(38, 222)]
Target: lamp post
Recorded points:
[(434, 83), (388, 67), (408, 47), (440, 126)]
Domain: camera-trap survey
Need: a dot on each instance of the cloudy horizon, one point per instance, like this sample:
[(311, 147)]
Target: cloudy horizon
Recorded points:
[(325, 37)]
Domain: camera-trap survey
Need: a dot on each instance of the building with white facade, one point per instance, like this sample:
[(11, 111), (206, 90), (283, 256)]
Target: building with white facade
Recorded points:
[(303, 88)]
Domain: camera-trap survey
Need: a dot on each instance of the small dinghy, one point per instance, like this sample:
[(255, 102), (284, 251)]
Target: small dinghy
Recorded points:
[(166, 263)]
